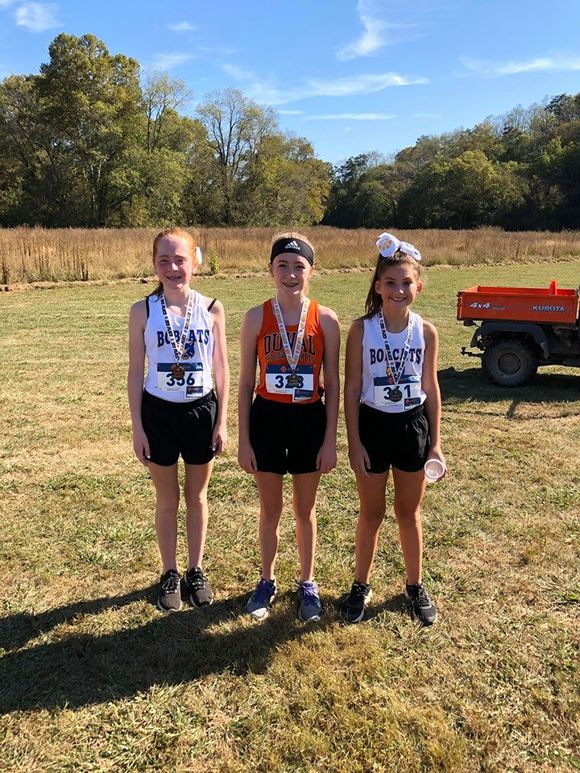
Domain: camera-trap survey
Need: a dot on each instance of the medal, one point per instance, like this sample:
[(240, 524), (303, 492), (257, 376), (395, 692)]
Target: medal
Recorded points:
[(179, 347), (294, 381), (292, 355), (395, 395), (394, 376)]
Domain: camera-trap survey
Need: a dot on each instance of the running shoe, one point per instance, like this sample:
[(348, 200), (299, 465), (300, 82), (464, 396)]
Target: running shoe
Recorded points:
[(199, 589), (353, 605), (309, 606), (169, 597), (258, 605), (422, 608)]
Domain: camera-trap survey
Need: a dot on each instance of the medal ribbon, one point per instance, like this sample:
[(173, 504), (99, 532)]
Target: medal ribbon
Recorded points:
[(291, 355), (396, 376), (178, 346)]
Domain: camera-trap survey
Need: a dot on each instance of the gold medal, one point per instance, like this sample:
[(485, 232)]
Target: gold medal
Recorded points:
[(395, 395), (177, 370), (294, 381)]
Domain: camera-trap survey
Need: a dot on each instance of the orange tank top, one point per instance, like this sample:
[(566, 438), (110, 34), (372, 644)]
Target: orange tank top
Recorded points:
[(276, 379)]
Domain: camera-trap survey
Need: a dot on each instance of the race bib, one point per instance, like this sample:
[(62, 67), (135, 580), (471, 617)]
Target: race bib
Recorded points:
[(403, 395), (280, 380), (190, 385)]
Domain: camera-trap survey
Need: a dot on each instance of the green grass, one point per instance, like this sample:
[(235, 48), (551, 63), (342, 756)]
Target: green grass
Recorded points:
[(93, 678)]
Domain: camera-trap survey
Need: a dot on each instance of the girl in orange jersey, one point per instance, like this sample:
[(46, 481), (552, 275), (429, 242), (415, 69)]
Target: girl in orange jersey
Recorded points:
[(288, 428)]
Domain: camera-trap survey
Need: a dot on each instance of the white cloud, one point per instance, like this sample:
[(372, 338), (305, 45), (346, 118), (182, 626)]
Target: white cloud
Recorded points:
[(36, 17), (291, 112), (350, 117), (182, 26), (371, 39), (237, 73), (5, 3), (340, 87), (491, 69), (169, 61), (426, 115)]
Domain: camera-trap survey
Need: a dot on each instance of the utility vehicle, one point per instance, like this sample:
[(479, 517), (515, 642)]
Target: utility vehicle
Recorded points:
[(520, 328)]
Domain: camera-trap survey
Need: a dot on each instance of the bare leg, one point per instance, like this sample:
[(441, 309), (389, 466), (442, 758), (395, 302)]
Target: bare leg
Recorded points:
[(304, 501), (409, 490), (270, 490), (371, 491), (195, 491), (166, 504)]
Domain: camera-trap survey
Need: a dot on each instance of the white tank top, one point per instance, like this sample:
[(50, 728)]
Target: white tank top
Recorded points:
[(376, 389), (196, 361)]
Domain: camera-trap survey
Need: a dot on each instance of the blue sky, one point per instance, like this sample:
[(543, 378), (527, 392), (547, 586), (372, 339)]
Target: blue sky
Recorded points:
[(350, 76)]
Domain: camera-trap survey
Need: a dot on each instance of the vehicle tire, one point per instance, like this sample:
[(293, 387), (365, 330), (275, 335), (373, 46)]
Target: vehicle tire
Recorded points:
[(509, 362)]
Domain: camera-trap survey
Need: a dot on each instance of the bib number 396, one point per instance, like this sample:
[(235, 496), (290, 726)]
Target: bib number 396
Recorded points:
[(192, 376)]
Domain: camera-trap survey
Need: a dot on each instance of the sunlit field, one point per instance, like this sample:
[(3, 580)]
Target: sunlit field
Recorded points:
[(48, 255), (94, 678)]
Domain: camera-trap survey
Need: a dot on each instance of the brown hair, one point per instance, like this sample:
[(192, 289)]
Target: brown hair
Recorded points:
[(172, 231), (374, 301)]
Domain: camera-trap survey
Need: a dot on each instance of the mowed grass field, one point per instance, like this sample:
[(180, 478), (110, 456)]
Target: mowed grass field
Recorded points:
[(94, 678)]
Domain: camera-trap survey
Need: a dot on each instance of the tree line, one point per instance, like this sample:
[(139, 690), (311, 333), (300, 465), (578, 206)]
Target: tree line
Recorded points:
[(520, 171), (87, 142)]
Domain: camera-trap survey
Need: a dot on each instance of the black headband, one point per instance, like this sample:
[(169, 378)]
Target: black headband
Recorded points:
[(288, 244)]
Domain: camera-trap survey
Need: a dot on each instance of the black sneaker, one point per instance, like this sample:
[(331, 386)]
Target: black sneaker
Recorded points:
[(422, 608), (169, 598), (353, 605), (199, 589)]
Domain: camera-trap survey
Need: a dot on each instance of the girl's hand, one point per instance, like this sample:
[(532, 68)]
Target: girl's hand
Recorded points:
[(247, 459), (359, 459), (219, 438), (326, 459), (141, 446), (435, 453)]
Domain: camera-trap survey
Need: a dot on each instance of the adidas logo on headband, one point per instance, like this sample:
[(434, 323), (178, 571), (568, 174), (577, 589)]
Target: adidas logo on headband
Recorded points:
[(292, 245)]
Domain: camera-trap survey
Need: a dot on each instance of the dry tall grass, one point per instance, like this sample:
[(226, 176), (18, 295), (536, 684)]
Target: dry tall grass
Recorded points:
[(38, 254)]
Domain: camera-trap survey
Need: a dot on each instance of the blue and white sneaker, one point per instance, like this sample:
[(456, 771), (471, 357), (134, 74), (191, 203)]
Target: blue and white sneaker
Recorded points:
[(309, 606), (259, 603)]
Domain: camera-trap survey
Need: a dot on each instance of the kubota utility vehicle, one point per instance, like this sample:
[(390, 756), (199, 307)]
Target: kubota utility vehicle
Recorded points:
[(520, 328)]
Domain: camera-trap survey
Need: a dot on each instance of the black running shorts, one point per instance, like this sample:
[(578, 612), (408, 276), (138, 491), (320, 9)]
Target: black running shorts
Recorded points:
[(398, 439), (179, 428), (286, 437)]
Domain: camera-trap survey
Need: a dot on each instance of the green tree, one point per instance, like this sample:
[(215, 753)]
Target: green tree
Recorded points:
[(464, 192), (236, 127), (92, 103)]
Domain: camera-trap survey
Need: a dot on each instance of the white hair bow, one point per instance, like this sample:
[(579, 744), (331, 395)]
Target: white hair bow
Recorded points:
[(387, 245)]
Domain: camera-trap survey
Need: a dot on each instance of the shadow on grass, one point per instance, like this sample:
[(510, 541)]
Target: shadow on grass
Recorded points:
[(397, 604), (84, 669), (472, 385)]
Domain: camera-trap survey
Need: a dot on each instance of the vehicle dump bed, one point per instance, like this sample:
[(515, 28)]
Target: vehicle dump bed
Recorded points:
[(525, 304)]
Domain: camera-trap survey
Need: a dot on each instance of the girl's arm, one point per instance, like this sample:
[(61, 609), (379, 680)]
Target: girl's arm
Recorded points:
[(248, 356), (357, 455), (326, 460), (430, 385), (137, 322), (221, 370)]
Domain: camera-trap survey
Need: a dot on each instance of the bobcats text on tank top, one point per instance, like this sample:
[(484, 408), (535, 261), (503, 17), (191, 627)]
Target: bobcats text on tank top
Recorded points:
[(196, 362), (276, 380), (378, 391)]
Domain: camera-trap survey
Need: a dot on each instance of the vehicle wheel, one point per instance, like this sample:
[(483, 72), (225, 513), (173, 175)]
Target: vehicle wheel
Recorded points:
[(509, 362)]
